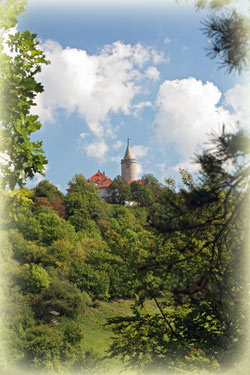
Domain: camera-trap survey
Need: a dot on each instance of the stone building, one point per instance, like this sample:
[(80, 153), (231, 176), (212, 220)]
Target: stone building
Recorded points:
[(128, 165)]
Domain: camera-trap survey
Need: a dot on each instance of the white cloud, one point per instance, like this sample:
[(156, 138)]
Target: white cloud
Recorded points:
[(93, 85), (44, 109), (167, 40), (161, 167), (188, 111), (139, 151), (153, 73), (187, 165), (84, 135), (116, 159), (118, 144), (158, 57), (97, 149), (238, 98), (139, 170), (139, 106)]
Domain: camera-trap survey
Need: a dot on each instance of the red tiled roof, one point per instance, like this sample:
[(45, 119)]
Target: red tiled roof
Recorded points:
[(101, 180), (97, 177), (105, 183)]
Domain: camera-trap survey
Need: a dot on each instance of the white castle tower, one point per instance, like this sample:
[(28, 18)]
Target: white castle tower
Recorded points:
[(128, 164)]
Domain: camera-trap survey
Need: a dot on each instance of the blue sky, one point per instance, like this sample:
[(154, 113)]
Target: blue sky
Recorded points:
[(128, 69)]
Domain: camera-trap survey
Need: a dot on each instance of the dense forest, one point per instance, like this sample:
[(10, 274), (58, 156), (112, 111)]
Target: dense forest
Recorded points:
[(183, 250), (175, 261)]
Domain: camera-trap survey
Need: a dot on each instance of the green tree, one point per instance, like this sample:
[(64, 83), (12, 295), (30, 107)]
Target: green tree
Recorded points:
[(229, 35), (48, 190), (58, 254), (91, 279), (26, 251), (78, 183), (61, 296), (29, 226), (88, 268), (43, 347), (82, 203), (195, 270), (155, 186), (33, 278), (212, 4), (141, 194), (18, 316), (228, 31), (119, 191), (47, 194), (21, 158), (77, 210), (53, 227), (146, 191)]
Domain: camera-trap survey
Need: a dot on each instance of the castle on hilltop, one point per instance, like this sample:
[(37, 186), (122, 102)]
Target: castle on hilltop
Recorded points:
[(128, 172)]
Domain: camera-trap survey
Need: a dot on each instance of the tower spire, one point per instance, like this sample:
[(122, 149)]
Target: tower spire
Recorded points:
[(128, 164)]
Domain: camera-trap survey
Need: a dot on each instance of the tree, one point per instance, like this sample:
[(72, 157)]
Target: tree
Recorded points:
[(195, 273), (20, 157), (197, 267), (93, 280), (33, 278), (146, 191), (118, 192), (44, 347), (54, 228), (48, 190), (61, 296), (17, 316), (78, 183), (212, 4), (48, 195), (229, 35), (141, 194), (82, 203)]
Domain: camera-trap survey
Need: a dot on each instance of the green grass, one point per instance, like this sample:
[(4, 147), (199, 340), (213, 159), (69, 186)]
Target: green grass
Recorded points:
[(98, 338)]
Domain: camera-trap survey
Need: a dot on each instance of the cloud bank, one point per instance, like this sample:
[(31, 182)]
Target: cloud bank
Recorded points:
[(188, 111), (107, 83), (95, 86), (238, 98)]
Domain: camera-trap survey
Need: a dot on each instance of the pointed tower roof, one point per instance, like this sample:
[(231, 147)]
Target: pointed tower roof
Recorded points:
[(128, 154)]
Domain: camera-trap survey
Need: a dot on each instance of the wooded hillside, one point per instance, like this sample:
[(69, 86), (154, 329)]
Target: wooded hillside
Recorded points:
[(164, 283)]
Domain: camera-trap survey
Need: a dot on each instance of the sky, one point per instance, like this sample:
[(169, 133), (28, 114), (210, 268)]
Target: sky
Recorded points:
[(128, 69)]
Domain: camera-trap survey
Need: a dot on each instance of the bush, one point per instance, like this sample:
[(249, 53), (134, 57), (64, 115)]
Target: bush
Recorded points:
[(43, 347), (61, 296), (87, 278), (54, 228), (58, 254), (33, 278)]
